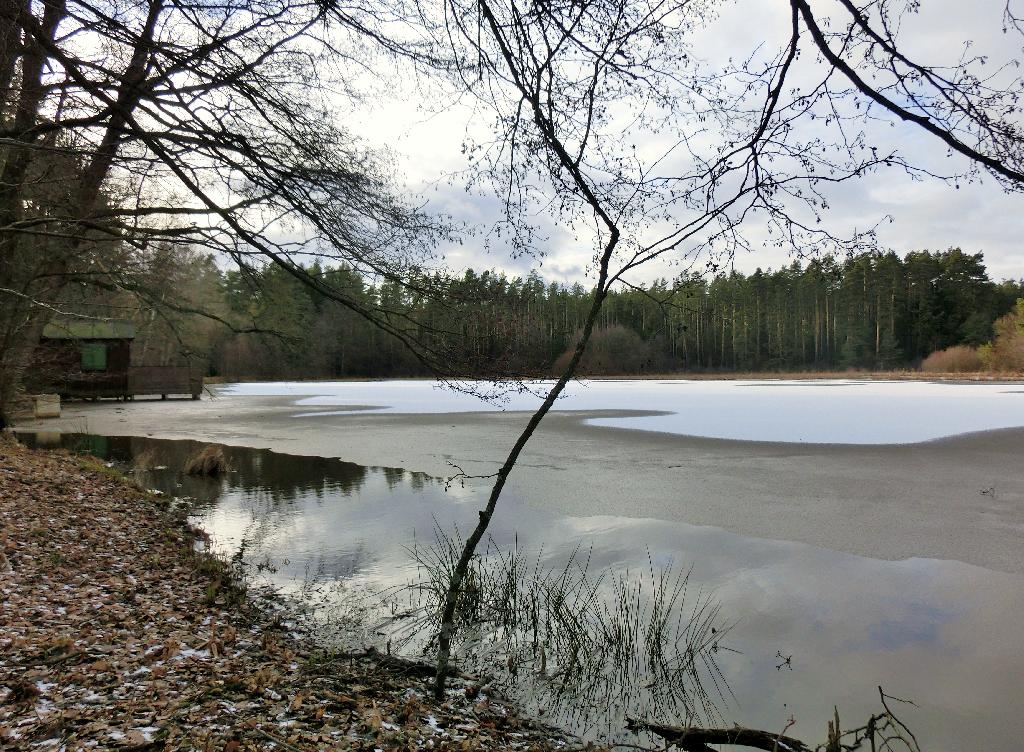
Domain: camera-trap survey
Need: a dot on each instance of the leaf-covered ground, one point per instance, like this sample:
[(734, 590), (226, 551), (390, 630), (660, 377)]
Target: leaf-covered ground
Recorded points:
[(116, 634)]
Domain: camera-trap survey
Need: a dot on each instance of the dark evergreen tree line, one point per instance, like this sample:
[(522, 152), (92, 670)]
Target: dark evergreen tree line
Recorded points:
[(873, 311)]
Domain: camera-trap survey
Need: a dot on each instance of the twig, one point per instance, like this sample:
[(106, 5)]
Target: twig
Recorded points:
[(50, 307), (277, 739), (895, 719), (462, 475)]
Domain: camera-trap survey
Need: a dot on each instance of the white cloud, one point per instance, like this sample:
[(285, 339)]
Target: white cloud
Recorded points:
[(426, 134)]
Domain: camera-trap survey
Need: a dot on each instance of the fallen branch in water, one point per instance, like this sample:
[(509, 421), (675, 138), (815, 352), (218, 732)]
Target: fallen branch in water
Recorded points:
[(883, 731), (692, 739)]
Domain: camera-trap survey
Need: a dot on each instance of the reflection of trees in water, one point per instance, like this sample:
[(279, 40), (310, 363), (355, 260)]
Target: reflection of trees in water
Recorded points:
[(341, 565), (281, 478), (266, 478), (393, 476), (267, 486)]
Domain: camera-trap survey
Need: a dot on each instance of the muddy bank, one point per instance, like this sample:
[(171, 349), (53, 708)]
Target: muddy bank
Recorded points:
[(116, 634), (958, 498)]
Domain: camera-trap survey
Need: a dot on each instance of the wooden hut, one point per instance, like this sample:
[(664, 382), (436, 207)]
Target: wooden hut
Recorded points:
[(93, 359)]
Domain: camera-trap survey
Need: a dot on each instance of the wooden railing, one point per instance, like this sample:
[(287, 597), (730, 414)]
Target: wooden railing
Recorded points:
[(165, 380)]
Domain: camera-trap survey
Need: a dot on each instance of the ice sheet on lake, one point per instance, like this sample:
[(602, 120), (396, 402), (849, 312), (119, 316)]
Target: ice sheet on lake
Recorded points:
[(833, 411)]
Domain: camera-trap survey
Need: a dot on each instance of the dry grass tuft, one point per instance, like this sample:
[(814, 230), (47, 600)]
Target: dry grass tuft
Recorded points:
[(144, 460), (210, 461), (958, 359)]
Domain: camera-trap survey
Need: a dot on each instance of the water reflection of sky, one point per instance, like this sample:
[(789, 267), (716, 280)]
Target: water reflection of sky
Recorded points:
[(850, 623), (943, 633), (917, 624)]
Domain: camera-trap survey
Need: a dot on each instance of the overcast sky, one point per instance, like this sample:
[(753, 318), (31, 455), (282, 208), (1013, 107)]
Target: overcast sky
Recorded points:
[(426, 144)]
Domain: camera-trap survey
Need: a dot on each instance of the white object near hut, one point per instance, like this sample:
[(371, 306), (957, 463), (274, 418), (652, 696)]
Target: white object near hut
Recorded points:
[(47, 406)]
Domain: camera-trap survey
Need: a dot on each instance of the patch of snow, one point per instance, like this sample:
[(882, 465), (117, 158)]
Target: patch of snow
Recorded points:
[(834, 411), (184, 653)]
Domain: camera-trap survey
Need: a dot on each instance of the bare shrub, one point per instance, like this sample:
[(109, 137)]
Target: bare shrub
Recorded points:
[(958, 359), (1006, 351), (210, 461)]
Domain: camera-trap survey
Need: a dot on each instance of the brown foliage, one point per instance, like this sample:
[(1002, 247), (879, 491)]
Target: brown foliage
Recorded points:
[(958, 359), (1006, 351)]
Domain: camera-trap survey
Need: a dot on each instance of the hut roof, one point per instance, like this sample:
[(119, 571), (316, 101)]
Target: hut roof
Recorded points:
[(83, 329)]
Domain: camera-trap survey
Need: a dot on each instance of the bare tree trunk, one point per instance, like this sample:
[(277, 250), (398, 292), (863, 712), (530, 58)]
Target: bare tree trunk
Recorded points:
[(582, 189), (444, 640), (12, 179), (10, 43), (19, 329), (45, 277)]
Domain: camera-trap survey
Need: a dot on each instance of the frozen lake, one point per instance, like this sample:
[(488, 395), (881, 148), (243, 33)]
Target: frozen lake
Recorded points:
[(836, 411)]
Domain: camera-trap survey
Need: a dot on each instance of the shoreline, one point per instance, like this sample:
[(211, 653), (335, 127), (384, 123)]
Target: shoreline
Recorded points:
[(117, 633), (979, 377)]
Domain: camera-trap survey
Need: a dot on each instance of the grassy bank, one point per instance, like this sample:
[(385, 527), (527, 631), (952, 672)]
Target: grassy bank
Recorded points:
[(117, 633)]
